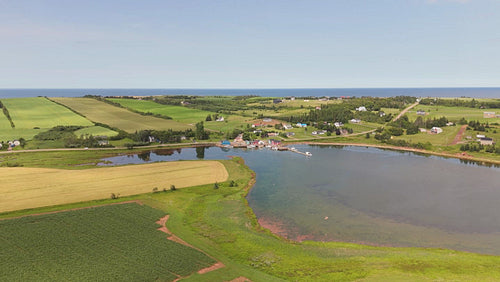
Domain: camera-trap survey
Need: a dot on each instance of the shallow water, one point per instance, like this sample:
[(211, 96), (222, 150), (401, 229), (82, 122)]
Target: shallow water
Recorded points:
[(367, 195)]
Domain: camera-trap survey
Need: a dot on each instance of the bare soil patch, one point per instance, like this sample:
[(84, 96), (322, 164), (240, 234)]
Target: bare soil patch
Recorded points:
[(459, 135)]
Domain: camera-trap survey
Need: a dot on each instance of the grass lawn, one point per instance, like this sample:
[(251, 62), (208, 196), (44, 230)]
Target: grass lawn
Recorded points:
[(30, 113), (102, 112), (24, 188), (442, 139), (108, 243)]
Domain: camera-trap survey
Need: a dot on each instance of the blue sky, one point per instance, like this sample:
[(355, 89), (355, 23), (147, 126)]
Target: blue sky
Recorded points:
[(249, 44)]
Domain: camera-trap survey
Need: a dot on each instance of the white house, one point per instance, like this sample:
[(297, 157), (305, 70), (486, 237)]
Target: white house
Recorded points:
[(287, 126), (355, 120), (338, 124), (436, 130), (361, 109), (220, 119)]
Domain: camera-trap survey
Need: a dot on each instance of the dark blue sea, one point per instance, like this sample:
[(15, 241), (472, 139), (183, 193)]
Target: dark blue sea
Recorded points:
[(297, 92)]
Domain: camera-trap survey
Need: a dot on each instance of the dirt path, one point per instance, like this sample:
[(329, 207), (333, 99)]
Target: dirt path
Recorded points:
[(459, 135), (404, 111), (176, 239)]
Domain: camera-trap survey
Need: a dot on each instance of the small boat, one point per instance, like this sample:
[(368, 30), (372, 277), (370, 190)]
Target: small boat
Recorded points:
[(308, 154)]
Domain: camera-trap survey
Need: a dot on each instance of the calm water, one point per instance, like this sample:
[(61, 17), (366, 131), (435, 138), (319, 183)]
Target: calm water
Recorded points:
[(316, 92), (367, 195)]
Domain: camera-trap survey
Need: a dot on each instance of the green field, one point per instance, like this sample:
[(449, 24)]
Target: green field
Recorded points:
[(102, 112), (184, 114), (33, 115), (96, 131), (178, 113), (108, 243), (453, 113)]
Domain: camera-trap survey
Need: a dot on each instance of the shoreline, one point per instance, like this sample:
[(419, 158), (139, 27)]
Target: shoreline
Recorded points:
[(407, 149)]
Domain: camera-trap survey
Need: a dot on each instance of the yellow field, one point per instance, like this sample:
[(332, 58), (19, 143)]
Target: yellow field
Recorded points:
[(23, 188), (98, 111)]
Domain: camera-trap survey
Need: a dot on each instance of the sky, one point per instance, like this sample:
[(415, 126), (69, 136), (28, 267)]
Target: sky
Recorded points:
[(249, 44)]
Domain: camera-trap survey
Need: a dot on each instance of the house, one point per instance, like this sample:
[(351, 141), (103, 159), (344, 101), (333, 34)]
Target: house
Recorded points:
[(301, 124), (422, 130), (239, 138), (480, 136), (220, 119), (314, 133), (103, 142), (486, 141), (267, 120), (436, 130), (488, 114), (450, 123), (318, 108), (361, 109), (420, 113), (381, 114), (287, 126), (256, 125), (355, 120), (321, 132), (338, 124), (292, 98), (272, 134), (277, 101), (290, 134)]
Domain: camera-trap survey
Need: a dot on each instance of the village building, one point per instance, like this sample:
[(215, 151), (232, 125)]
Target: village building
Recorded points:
[(422, 130), (488, 114), (420, 113), (301, 124), (277, 101), (267, 120), (338, 124), (381, 114), (288, 134), (220, 119), (480, 136), (486, 141), (355, 120), (287, 126), (361, 109), (436, 130)]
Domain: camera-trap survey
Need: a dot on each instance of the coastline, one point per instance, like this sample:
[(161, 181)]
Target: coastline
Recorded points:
[(396, 148)]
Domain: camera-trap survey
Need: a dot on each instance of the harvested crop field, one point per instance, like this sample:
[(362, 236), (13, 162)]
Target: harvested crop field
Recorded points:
[(24, 188), (107, 243), (121, 118)]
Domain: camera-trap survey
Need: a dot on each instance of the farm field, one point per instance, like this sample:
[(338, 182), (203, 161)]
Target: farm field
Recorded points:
[(34, 115), (452, 113), (98, 111), (183, 114), (107, 243), (178, 113), (24, 188)]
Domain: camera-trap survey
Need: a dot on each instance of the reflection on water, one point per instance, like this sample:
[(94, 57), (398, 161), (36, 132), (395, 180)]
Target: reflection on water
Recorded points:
[(367, 195)]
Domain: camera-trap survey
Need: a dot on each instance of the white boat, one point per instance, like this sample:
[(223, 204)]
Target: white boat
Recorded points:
[(308, 154)]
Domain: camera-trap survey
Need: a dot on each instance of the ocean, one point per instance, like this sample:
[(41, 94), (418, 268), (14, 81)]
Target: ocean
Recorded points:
[(493, 92)]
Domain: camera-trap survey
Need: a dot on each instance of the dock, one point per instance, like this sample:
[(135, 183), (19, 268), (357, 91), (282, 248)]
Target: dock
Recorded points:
[(299, 152)]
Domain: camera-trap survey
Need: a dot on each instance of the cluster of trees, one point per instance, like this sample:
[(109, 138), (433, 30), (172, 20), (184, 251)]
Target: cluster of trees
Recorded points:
[(477, 126), (473, 103), (430, 123), (475, 147), (7, 114), (375, 104)]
